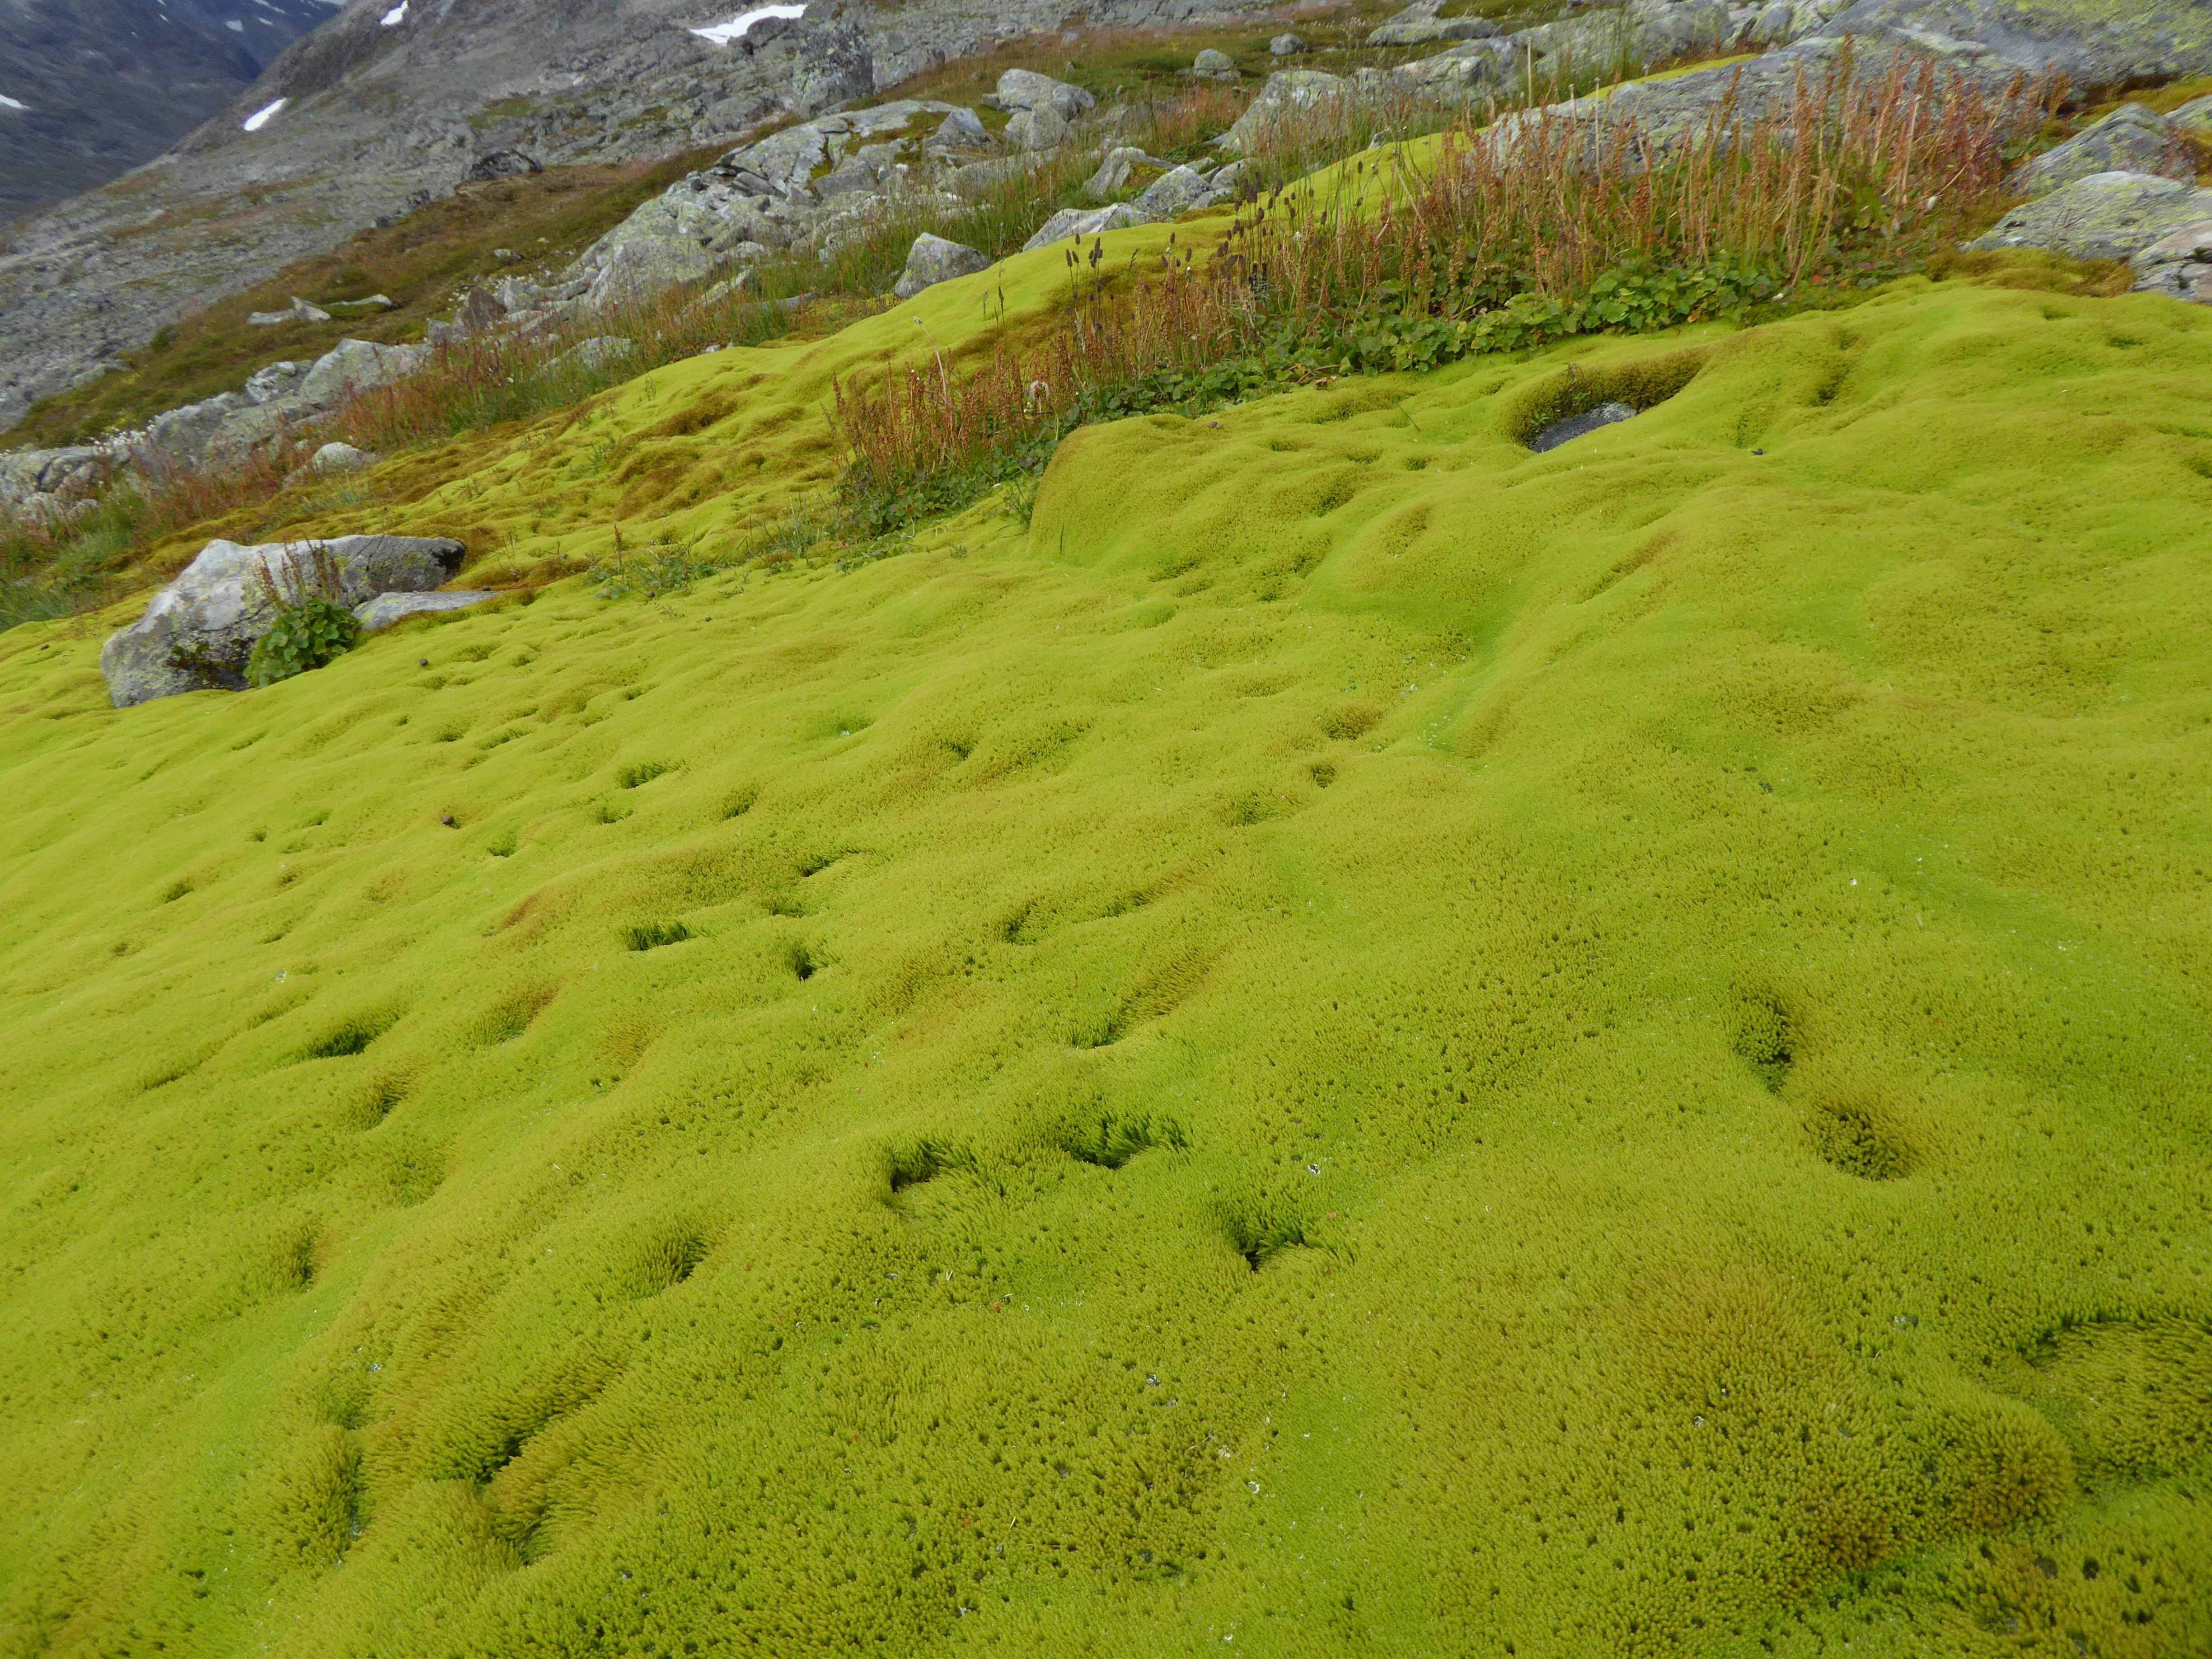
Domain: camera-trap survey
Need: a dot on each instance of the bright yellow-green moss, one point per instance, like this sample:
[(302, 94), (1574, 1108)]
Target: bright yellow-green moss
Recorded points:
[(1359, 1042)]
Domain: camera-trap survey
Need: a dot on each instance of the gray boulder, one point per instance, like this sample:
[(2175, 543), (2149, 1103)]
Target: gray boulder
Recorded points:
[(600, 352), (964, 130), (353, 367), (298, 311), (335, 458), (2091, 42), (198, 631), (386, 609), (2131, 139), (1457, 72), (1042, 127), (864, 172), (2194, 117), (932, 260), (1287, 46), (1116, 170), (1213, 66), (1425, 31), (1078, 223), (503, 164), (1288, 92), (2178, 265), (2107, 215), (1022, 89), (1173, 194), (195, 432), (644, 266), (274, 380)]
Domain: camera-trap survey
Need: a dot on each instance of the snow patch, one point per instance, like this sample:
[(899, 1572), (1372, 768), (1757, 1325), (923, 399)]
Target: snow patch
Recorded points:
[(262, 117), (235, 25), (722, 33), (6, 102), (397, 16)]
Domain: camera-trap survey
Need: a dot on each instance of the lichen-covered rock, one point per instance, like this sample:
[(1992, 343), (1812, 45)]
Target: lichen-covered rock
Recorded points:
[(762, 195), (2093, 43), (1212, 65), (335, 458), (1288, 92), (964, 130), (645, 267), (1022, 89), (2194, 118), (2131, 139), (596, 353), (1173, 194), (1423, 31), (1080, 222), (386, 609), (1287, 46), (1115, 171), (198, 631), (2179, 265), (933, 260), (2107, 215), (1459, 69), (1039, 129), (353, 367)]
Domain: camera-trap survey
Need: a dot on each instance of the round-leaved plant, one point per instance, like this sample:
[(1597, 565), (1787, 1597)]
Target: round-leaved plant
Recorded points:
[(304, 635)]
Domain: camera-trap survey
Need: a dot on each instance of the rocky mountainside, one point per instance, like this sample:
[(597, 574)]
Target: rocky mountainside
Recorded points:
[(91, 88), (393, 102)]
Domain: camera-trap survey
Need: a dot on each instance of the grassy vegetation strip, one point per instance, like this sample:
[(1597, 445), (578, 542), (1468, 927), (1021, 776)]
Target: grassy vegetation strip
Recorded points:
[(1493, 239)]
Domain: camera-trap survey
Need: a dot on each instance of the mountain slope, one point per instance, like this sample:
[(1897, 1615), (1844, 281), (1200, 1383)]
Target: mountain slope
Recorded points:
[(1354, 1041), (96, 87), (378, 118)]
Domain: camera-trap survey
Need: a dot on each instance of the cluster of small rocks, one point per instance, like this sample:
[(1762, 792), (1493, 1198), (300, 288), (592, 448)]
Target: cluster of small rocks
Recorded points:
[(51, 488)]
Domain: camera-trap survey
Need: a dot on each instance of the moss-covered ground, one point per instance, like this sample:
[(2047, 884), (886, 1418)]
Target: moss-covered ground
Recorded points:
[(1354, 1041)]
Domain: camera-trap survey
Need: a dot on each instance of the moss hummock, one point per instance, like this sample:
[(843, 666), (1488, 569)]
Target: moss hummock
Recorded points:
[(1357, 1042)]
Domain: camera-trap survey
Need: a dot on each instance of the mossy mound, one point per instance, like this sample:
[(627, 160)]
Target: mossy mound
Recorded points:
[(1358, 1042)]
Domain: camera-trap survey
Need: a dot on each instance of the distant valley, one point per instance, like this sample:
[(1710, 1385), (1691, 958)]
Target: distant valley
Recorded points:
[(91, 89)]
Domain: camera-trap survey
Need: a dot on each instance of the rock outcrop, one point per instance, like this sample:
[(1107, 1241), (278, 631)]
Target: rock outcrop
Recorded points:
[(277, 401), (198, 631), (2107, 215), (1078, 223), (932, 260), (2131, 139), (388, 609)]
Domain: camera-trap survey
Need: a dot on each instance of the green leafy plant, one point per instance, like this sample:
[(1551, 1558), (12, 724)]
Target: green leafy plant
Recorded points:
[(313, 624)]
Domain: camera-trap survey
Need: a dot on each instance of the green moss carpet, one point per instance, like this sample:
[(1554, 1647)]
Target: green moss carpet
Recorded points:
[(1356, 1041)]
